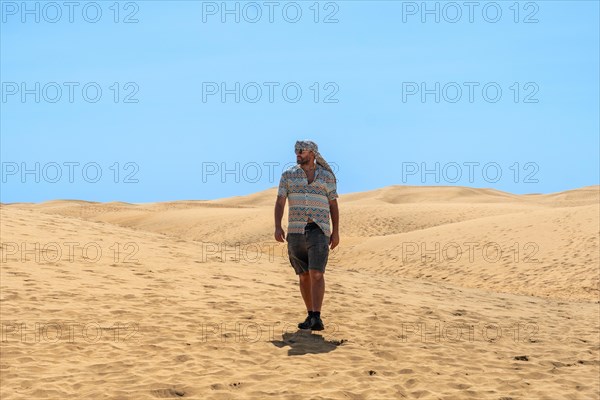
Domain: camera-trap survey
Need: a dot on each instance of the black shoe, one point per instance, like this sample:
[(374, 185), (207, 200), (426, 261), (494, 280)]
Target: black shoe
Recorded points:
[(316, 324), (305, 324)]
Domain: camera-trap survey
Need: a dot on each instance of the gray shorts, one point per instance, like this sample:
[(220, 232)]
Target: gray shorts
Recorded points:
[(308, 250)]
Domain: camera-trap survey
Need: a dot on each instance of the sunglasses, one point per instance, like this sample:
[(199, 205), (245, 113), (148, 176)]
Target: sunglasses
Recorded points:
[(298, 151)]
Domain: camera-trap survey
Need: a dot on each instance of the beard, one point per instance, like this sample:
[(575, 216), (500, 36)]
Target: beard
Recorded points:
[(304, 160)]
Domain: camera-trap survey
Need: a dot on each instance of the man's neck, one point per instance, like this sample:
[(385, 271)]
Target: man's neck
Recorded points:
[(308, 167)]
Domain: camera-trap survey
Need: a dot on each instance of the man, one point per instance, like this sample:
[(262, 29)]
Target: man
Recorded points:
[(312, 189)]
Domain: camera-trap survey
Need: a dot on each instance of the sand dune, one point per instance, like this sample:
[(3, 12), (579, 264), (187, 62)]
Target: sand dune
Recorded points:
[(443, 194), (551, 253), (194, 299)]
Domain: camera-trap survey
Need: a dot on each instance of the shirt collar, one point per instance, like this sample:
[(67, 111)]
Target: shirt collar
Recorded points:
[(318, 170)]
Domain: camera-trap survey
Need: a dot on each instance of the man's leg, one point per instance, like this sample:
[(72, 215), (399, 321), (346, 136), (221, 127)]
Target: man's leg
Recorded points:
[(306, 296), (318, 252), (305, 289), (298, 254), (317, 289)]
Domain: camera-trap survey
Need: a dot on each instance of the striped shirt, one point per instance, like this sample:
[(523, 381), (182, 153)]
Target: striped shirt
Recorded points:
[(308, 200)]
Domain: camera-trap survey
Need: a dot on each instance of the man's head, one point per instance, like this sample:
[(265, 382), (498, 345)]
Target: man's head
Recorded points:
[(307, 151), (305, 156)]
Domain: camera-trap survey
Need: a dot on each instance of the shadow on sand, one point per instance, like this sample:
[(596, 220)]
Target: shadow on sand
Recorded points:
[(306, 342)]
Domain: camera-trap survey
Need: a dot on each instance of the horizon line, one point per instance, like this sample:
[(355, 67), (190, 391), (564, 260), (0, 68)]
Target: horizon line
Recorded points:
[(340, 194)]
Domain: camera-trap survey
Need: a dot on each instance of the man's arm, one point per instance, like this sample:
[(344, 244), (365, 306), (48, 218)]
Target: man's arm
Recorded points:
[(334, 240), (279, 207)]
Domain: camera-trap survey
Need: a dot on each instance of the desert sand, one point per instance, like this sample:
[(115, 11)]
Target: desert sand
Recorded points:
[(433, 293)]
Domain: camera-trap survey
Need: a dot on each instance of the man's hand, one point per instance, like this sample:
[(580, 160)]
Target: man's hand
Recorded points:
[(279, 235), (334, 240)]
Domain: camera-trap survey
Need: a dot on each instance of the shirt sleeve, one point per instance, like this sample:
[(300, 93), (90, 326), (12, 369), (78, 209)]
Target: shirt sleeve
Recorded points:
[(283, 186), (331, 189)]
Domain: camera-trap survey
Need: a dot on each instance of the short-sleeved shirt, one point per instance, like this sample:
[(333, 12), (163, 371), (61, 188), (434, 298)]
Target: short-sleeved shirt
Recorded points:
[(308, 200)]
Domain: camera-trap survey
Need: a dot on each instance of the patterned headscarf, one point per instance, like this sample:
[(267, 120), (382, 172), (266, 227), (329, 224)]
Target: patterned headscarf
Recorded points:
[(310, 145)]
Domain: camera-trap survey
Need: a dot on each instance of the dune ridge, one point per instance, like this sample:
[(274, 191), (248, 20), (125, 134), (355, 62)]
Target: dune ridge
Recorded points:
[(376, 226)]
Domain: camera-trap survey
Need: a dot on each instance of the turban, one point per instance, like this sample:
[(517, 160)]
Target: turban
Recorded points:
[(312, 146)]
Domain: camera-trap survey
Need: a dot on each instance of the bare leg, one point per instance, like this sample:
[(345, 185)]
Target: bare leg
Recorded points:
[(317, 288), (305, 290)]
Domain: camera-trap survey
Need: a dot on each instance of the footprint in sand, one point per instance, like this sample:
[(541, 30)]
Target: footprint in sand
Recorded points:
[(167, 393)]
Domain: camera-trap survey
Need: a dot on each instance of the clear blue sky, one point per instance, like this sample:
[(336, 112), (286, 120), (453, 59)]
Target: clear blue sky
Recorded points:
[(369, 119)]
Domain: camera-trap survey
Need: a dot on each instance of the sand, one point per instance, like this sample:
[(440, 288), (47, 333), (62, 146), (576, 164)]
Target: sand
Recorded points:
[(434, 292)]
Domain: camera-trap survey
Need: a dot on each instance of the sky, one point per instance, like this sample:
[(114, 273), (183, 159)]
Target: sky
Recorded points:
[(144, 101)]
